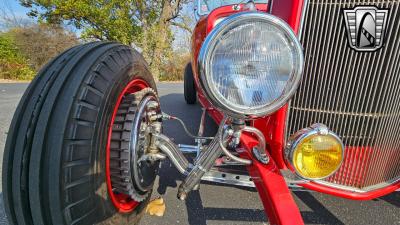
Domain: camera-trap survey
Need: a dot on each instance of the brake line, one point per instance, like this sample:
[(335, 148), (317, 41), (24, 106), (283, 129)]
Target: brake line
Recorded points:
[(165, 116)]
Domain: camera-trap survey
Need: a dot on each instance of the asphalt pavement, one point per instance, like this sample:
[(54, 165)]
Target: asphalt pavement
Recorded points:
[(220, 204)]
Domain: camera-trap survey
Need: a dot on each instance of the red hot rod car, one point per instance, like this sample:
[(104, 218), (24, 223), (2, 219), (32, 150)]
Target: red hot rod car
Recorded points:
[(305, 93)]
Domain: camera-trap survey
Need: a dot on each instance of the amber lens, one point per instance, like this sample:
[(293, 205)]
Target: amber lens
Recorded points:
[(318, 156)]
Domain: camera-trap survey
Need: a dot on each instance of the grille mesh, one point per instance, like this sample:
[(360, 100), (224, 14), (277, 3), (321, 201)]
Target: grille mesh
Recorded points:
[(356, 94)]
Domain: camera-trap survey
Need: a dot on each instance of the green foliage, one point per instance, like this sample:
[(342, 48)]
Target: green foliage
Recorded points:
[(145, 24), (24, 50), (41, 42), (13, 65), (175, 69)]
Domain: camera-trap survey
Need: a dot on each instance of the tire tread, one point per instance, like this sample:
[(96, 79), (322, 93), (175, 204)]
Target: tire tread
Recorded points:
[(68, 92)]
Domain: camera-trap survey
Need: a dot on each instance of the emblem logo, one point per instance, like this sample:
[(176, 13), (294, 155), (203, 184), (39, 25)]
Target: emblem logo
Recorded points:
[(366, 26)]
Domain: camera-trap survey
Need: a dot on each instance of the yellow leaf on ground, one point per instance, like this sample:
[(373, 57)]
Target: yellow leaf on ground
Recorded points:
[(156, 207)]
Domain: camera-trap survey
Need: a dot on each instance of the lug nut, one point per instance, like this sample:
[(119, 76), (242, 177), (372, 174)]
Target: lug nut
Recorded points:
[(152, 105), (196, 187), (182, 196)]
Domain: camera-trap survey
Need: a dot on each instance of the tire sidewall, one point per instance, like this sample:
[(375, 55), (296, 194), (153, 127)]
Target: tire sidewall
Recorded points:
[(190, 92)]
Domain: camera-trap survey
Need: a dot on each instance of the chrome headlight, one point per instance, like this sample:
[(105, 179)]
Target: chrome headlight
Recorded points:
[(250, 64)]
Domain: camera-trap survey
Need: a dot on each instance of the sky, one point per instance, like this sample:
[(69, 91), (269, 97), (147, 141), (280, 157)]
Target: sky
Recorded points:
[(14, 8)]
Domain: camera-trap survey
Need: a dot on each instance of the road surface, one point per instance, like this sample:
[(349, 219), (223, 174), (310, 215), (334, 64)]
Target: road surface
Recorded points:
[(218, 204)]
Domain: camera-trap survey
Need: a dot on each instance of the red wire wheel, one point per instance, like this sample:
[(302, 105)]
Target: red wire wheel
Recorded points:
[(124, 203)]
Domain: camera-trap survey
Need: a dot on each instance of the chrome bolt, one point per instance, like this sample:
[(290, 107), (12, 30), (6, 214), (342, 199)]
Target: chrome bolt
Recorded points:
[(196, 187), (152, 105), (263, 158), (230, 132), (182, 196), (143, 127)]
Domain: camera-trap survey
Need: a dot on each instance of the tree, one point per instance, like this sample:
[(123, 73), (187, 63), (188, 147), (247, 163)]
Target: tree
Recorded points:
[(13, 65), (142, 23), (174, 69), (25, 49), (41, 42)]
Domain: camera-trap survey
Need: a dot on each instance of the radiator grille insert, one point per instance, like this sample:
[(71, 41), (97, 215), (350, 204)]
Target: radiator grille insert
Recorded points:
[(356, 94)]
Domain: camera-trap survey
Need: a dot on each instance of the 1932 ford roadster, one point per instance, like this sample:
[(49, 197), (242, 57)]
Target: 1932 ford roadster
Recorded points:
[(295, 105)]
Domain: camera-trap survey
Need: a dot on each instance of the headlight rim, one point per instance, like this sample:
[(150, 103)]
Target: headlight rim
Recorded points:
[(299, 136), (205, 56)]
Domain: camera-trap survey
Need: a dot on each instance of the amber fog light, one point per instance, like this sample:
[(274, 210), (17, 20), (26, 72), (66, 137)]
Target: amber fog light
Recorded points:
[(315, 152)]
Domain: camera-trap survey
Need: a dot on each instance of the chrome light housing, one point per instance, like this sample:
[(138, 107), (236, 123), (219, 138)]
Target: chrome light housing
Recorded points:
[(315, 152), (250, 64)]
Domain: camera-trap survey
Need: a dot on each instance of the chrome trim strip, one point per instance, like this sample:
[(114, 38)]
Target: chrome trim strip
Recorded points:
[(303, 14), (231, 177), (198, 5), (214, 175), (358, 190), (270, 6)]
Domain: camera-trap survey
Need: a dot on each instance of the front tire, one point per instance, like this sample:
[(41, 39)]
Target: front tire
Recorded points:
[(54, 166), (189, 89)]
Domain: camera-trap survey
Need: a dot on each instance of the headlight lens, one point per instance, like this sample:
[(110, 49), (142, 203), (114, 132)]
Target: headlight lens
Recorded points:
[(250, 64), (315, 153)]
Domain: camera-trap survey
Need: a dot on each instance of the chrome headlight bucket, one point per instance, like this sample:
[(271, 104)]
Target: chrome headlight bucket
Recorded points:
[(315, 152), (250, 64)]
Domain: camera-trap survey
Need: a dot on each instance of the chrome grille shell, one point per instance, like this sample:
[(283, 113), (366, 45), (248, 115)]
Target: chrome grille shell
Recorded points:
[(356, 94)]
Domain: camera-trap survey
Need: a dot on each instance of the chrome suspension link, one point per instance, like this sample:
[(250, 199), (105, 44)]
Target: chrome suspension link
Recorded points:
[(174, 154), (203, 164)]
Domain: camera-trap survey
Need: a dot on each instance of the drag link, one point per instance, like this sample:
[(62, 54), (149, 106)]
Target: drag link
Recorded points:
[(174, 154)]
